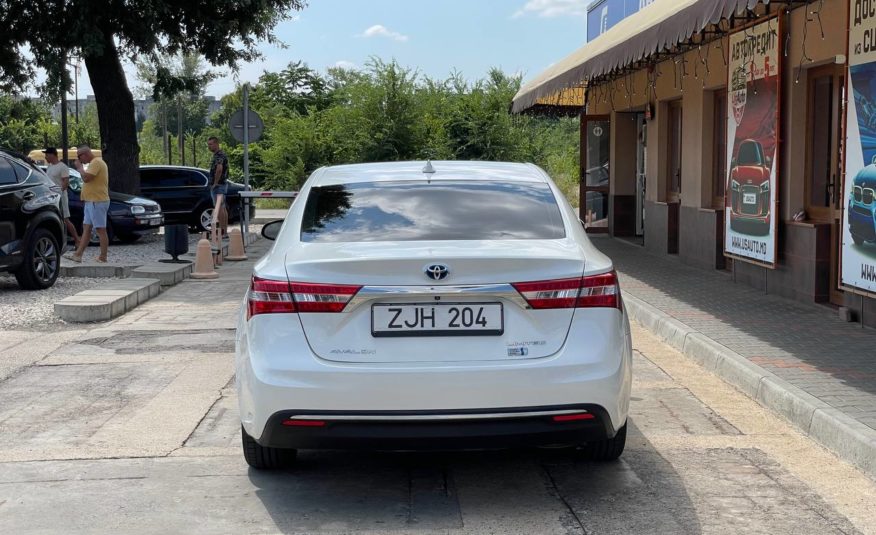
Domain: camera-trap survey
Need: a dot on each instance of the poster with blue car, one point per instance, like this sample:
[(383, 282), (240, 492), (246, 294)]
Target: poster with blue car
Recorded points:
[(859, 201)]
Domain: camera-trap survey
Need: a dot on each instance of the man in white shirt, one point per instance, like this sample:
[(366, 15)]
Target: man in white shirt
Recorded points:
[(60, 175)]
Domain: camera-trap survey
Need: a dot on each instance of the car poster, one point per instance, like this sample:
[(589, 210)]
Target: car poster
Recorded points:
[(859, 205), (754, 83)]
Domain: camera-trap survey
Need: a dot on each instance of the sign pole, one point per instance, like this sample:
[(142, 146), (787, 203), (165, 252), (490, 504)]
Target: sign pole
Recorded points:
[(245, 206)]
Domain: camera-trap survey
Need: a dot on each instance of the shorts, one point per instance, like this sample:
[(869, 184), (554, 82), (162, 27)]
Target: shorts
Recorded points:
[(216, 190), (65, 205), (95, 213)]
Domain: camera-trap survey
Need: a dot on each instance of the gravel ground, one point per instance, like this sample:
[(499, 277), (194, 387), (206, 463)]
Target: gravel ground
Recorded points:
[(145, 250), (35, 310)]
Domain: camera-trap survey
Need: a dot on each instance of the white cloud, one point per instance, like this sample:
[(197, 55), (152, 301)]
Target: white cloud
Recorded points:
[(553, 8), (344, 64), (379, 30)]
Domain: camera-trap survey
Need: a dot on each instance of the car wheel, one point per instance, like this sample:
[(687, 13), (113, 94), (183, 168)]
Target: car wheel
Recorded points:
[(606, 450), (205, 220), (857, 239), (264, 458), (128, 238), (42, 261), (95, 239)]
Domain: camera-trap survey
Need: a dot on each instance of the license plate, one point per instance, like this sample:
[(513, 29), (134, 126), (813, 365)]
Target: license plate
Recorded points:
[(749, 198), (445, 319)]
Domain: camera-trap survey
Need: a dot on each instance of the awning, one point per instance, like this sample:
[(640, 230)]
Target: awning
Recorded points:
[(655, 28)]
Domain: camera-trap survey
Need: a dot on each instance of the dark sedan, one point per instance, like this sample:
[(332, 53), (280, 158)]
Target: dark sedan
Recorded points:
[(129, 216), (184, 194)]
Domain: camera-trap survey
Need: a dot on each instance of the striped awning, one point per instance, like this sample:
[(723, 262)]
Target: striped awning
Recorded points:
[(655, 28)]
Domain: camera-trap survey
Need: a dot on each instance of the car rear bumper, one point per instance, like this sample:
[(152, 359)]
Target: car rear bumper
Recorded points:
[(429, 430), (277, 374)]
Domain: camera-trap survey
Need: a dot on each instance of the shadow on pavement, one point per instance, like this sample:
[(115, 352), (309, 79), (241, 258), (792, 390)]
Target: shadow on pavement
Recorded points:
[(514, 491)]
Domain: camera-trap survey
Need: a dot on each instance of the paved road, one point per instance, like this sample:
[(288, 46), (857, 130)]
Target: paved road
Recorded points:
[(131, 427)]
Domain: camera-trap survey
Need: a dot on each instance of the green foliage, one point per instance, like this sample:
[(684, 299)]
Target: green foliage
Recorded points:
[(384, 112)]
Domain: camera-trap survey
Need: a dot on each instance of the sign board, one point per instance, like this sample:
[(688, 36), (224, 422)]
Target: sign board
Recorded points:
[(859, 192), (753, 92), (256, 126)]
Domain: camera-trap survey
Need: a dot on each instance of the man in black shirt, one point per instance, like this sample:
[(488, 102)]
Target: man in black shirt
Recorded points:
[(218, 189)]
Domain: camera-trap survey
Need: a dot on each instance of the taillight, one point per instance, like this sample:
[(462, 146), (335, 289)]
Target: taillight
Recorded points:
[(322, 297), (269, 297), (595, 291), (278, 297)]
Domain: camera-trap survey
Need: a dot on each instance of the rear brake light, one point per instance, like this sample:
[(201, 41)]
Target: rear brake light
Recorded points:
[(595, 291), (278, 297), (269, 297)]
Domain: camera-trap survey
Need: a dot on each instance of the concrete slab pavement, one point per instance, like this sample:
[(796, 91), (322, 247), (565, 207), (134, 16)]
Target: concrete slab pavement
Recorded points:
[(798, 360)]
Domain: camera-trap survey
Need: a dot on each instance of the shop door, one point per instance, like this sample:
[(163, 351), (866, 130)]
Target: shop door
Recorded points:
[(641, 166), (823, 181), (673, 182), (595, 154)]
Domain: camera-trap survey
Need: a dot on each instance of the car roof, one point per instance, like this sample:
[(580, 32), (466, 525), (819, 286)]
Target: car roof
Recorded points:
[(183, 167), (413, 170)]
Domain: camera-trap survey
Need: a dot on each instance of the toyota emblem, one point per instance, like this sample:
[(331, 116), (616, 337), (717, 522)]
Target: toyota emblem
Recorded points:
[(437, 272)]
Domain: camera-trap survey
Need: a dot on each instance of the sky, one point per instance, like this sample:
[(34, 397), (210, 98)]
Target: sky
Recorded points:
[(433, 36)]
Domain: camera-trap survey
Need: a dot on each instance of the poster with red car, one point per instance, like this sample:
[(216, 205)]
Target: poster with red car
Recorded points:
[(754, 82), (859, 206)]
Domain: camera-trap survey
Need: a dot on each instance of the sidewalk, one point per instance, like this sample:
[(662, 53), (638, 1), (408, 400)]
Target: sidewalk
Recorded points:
[(798, 359)]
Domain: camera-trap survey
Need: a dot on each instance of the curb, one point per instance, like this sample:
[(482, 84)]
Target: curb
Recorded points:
[(848, 438)]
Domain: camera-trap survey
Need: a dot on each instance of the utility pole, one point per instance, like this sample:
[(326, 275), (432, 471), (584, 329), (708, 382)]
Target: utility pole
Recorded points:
[(180, 138), (245, 152), (64, 138)]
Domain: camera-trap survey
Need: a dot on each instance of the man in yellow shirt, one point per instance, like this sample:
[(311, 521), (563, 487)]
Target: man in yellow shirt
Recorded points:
[(95, 197)]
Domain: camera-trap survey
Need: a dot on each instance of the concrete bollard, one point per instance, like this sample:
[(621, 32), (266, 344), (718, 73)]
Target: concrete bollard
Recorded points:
[(204, 262), (235, 246)]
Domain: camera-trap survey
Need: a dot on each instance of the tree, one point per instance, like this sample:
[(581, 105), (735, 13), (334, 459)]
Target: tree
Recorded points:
[(225, 32)]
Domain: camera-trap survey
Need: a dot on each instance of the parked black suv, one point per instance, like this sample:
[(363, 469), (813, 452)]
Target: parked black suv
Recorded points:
[(31, 229), (184, 194)]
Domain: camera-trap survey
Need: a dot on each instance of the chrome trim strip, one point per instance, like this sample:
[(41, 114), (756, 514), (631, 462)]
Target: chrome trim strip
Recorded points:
[(443, 417), (480, 291)]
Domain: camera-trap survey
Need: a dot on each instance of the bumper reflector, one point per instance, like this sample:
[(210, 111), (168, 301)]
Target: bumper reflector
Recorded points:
[(574, 417), (304, 423)]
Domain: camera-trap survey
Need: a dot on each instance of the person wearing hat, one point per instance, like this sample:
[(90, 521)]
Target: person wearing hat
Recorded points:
[(60, 175)]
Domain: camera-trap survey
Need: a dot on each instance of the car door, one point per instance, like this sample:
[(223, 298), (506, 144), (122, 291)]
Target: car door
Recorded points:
[(196, 192), (10, 209)]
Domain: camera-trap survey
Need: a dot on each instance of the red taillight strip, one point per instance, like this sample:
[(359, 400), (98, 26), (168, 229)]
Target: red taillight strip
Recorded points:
[(277, 297), (322, 297), (550, 294), (595, 291)]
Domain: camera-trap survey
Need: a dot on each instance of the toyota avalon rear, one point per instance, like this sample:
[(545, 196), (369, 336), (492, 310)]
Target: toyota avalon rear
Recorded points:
[(459, 306)]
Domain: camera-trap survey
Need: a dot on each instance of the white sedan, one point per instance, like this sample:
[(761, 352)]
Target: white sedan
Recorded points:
[(445, 305)]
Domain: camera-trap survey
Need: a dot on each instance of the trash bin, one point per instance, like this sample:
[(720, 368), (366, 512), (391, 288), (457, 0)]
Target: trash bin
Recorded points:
[(176, 242)]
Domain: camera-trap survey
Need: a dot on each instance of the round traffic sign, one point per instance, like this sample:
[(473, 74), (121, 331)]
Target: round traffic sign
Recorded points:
[(256, 126)]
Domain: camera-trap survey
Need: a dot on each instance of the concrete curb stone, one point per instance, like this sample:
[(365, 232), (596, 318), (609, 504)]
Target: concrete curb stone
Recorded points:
[(849, 439)]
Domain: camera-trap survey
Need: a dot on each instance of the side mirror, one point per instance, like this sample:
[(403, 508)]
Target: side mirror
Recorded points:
[(873, 161), (732, 163), (271, 230), (769, 162)]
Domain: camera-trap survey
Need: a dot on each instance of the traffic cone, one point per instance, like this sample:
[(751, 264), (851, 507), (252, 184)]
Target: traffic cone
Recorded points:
[(204, 262), (235, 246)]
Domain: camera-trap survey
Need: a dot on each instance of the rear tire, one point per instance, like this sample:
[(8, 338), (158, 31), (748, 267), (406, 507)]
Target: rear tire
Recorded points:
[(264, 458), (606, 450), (42, 261)]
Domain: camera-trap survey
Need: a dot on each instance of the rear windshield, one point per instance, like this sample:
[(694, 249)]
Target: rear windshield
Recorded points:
[(407, 211)]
